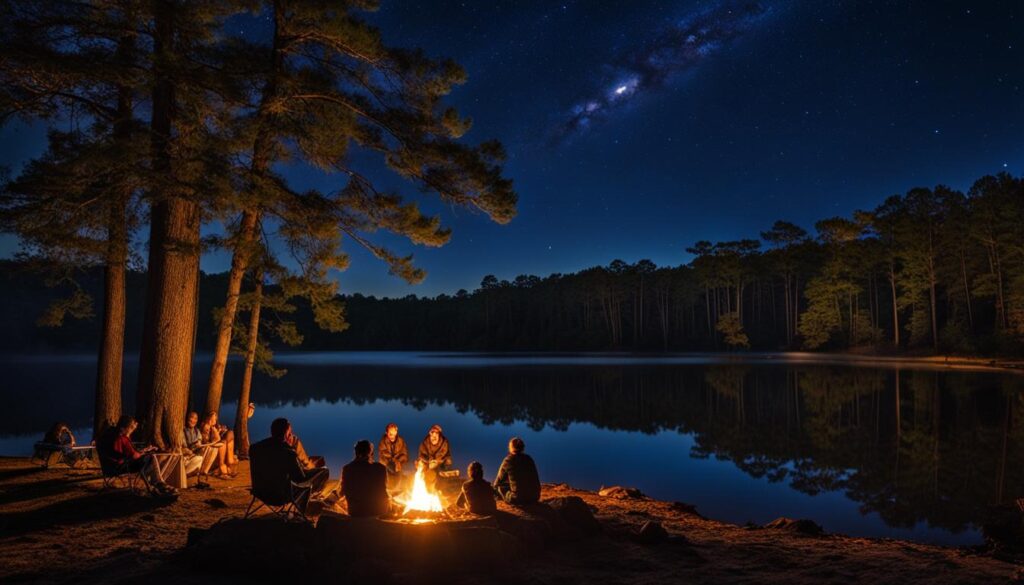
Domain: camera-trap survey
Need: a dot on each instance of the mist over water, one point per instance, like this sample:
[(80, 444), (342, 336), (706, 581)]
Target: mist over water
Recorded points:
[(743, 441)]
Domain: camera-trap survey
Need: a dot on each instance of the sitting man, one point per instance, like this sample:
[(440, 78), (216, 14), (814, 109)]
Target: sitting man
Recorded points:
[(393, 454), (435, 454), (477, 495), (115, 449), (274, 466), (364, 484), (517, 481)]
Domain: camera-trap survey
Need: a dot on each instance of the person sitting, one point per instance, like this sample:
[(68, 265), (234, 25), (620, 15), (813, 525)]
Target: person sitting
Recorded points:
[(307, 461), (393, 453), (59, 434), (116, 447), (436, 455), (477, 494), (517, 481), (198, 457), (223, 442), (364, 484), (275, 466)]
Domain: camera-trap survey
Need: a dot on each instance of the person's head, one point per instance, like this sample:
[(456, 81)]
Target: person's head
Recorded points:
[(126, 424), (516, 445), (435, 434), (251, 410), (192, 420), (281, 429), (475, 470), (391, 431), (210, 419), (363, 449)]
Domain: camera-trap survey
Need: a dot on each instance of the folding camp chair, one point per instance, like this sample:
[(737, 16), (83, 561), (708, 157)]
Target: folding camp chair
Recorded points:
[(114, 472), (291, 508)]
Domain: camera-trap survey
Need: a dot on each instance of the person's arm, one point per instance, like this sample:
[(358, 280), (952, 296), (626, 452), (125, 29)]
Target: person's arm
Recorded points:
[(424, 454), (402, 456), (445, 457), (501, 480), (70, 436), (463, 501)]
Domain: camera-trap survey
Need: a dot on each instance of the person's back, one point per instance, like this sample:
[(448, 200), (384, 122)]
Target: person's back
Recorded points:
[(478, 496), (273, 465), (364, 485), (518, 481)]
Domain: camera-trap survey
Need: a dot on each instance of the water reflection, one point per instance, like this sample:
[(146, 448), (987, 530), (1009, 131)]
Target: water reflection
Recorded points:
[(911, 453)]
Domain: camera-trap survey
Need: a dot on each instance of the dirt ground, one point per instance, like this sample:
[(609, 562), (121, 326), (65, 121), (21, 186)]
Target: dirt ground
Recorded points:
[(58, 526)]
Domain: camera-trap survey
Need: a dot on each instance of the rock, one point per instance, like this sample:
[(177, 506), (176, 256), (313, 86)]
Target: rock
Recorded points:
[(684, 508), (652, 533), (216, 503), (576, 513), (621, 492), (148, 517), (805, 527), (1003, 529)]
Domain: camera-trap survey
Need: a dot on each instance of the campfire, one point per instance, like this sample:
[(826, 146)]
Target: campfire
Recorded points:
[(421, 503)]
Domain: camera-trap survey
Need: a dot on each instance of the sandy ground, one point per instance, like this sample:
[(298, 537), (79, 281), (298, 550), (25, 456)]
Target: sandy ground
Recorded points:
[(58, 525)]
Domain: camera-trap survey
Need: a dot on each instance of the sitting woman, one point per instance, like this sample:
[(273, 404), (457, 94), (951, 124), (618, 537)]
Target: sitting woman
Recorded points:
[(116, 446), (59, 434), (477, 494), (223, 441)]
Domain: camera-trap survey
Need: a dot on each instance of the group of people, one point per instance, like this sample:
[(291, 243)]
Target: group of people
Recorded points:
[(365, 483)]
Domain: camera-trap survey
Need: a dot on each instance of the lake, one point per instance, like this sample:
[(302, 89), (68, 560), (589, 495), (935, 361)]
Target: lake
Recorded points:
[(894, 451)]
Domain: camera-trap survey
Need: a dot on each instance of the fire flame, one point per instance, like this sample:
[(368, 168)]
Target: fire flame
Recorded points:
[(420, 498)]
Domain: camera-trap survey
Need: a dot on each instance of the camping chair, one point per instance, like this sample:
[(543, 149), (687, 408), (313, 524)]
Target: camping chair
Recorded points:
[(114, 472), (269, 491)]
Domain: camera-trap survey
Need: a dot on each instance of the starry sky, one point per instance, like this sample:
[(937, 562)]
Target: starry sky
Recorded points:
[(637, 128)]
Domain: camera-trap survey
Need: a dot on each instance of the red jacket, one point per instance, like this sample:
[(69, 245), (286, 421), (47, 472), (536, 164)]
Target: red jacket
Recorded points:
[(124, 450)]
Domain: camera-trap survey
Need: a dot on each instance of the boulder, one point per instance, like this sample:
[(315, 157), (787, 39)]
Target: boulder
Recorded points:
[(652, 533), (805, 527), (576, 513), (684, 508), (621, 492)]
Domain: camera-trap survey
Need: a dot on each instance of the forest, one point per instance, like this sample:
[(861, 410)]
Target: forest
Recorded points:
[(934, 270)]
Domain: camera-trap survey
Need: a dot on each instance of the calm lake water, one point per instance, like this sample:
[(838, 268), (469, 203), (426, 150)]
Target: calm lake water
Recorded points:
[(871, 451)]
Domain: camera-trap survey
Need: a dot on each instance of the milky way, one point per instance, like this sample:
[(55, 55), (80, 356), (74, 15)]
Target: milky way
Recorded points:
[(679, 47)]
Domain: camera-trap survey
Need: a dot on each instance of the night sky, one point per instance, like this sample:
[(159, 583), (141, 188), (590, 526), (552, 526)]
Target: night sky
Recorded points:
[(637, 128)]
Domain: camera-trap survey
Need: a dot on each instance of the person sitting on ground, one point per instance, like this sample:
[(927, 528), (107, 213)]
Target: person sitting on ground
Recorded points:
[(517, 481), (364, 484), (436, 455), (393, 453), (274, 465), (59, 434), (477, 494), (116, 446), (223, 441)]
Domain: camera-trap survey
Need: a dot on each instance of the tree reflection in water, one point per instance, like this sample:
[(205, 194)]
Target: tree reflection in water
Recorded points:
[(911, 445)]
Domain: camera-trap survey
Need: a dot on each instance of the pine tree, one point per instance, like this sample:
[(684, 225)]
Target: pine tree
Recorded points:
[(76, 206), (331, 85)]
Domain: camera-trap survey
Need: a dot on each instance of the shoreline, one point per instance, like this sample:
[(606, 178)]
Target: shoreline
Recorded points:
[(57, 525), (930, 362)]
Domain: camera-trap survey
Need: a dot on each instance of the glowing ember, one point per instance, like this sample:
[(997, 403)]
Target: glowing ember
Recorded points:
[(421, 499)]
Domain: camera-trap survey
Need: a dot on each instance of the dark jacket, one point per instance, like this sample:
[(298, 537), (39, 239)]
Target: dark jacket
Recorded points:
[(364, 485), (440, 452), (518, 474), (273, 464), (392, 455), (478, 496)]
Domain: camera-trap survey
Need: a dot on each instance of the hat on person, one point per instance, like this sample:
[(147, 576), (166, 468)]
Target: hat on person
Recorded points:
[(436, 428)]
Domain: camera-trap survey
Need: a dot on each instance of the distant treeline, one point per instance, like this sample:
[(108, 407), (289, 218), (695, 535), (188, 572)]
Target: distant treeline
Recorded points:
[(932, 270)]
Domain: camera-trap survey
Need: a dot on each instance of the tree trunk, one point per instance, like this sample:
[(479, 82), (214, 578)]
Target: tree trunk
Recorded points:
[(110, 361), (222, 347), (241, 413), (168, 340), (895, 306)]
